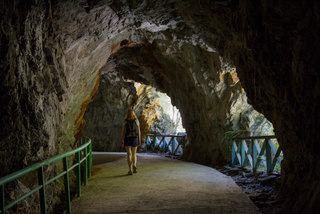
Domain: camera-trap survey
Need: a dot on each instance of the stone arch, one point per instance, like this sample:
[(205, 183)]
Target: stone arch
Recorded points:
[(192, 87)]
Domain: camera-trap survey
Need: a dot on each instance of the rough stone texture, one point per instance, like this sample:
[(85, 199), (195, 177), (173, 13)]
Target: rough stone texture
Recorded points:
[(52, 52), (104, 116), (153, 117), (31, 87), (148, 109)]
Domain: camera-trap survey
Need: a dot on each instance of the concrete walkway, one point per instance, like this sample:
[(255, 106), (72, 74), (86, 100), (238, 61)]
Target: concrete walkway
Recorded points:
[(162, 185)]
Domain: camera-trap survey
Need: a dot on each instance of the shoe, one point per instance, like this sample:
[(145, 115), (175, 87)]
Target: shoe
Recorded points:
[(130, 172), (134, 169)]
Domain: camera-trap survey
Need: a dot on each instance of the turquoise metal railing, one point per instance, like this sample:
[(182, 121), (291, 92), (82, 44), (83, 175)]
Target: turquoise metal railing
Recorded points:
[(247, 151), (163, 145), (83, 155)]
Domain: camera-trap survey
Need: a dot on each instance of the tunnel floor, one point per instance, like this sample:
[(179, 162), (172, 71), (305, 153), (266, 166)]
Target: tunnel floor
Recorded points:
[(162, 185)]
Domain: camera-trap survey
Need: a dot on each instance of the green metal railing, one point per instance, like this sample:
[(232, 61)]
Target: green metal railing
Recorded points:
[(83, 155), (163, 145), (247, 150)]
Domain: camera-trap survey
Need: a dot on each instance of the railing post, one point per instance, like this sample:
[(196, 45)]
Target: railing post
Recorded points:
[(2, 201), (147, 142), (90, 159), (233, 153), (42, 190), (268, 155), (78, 168), (66, 183), (85, 166), (243, 153), (237, 149), (254, 155)]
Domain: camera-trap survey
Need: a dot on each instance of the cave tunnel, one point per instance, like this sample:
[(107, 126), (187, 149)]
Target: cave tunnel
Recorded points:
[(53, 54)]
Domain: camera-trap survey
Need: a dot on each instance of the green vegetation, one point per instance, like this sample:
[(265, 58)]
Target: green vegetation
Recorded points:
[(228, 135)]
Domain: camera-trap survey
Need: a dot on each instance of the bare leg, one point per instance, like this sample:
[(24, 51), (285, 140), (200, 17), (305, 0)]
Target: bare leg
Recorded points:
[(134, 156), (129, 157)]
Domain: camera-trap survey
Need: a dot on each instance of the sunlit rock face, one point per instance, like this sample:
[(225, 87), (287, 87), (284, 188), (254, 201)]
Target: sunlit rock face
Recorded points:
[(148, 109), (154, 117), (52, 54)]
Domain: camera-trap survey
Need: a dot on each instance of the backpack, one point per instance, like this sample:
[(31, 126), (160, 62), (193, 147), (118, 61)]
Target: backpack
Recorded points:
[(131, 128)]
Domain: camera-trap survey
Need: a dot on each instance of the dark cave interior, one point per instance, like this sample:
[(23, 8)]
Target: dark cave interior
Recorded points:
[(54, 53)]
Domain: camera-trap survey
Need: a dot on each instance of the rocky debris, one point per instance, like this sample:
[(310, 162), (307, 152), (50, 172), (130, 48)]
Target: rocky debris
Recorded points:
[(261, 188), (177, 157), (269, 180)]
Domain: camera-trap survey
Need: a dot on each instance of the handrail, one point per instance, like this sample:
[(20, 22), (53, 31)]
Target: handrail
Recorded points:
[(166, 135), (255, 137), (86, 158), (163, 145), (242, 153)]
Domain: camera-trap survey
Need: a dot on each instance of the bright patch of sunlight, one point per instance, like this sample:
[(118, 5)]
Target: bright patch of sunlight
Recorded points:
[(172, 111)]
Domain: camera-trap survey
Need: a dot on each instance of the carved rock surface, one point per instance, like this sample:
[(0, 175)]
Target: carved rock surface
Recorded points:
[(52, 54)]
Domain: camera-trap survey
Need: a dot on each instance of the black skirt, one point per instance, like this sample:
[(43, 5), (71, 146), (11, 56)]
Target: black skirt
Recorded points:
[(131, 141)]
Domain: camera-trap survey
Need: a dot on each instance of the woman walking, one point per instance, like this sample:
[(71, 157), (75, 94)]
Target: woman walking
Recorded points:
[(131, 139)]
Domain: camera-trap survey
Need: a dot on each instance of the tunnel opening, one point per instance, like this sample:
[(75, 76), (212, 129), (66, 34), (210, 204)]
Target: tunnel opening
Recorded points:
[(169, 118), (116, 94)]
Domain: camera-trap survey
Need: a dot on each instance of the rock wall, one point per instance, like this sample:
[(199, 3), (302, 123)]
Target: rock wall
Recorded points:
[(50, 66), (31, 87), (52, 53), (273, 46)]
